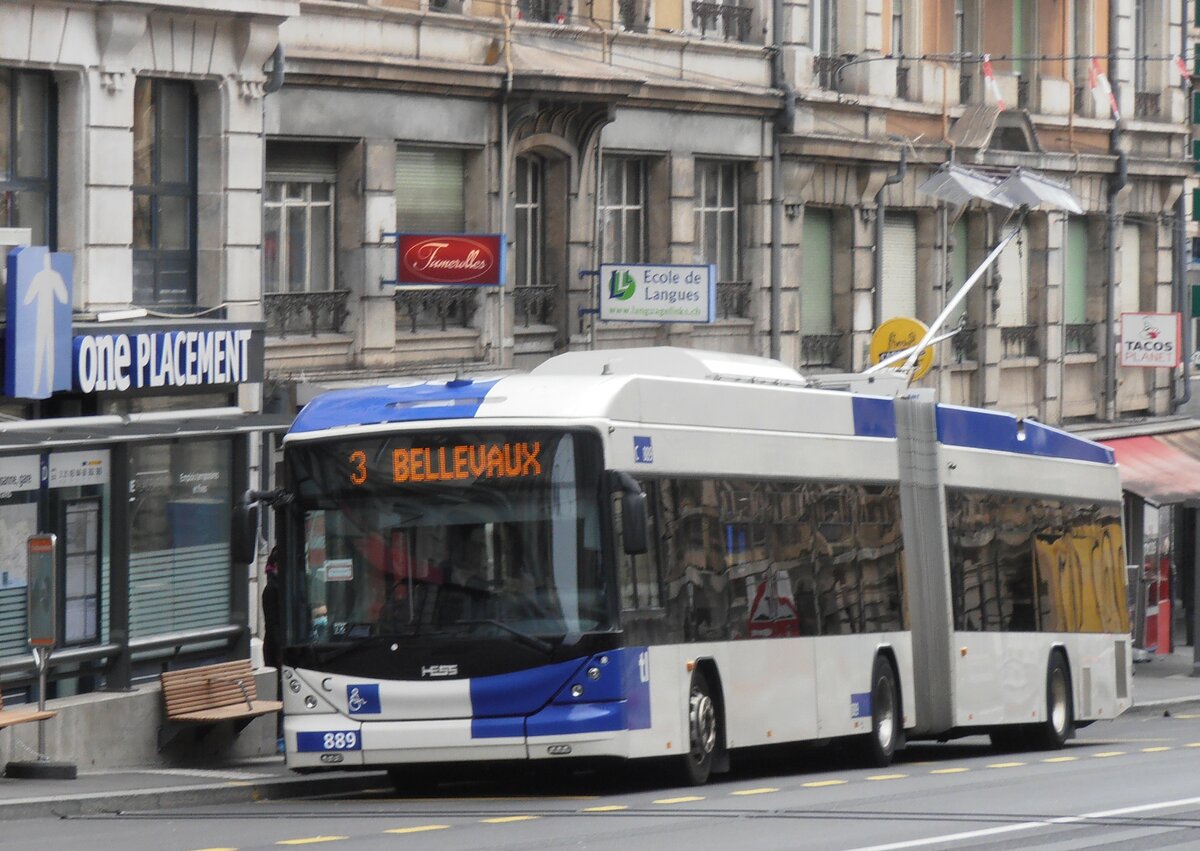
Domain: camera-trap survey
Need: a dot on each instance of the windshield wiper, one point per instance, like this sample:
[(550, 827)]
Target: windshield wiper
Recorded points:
[(525, 638)]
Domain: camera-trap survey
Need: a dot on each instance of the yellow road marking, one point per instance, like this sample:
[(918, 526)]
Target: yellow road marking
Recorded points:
[(1155, 750), (1192, 745), (1005, 764), (419, 829), (762, 791), (311, 840), (216, 849), (818, 783), (686, 799), (949, 770), (507, 819), (609, 808), (886, 776), (1103, 754), (1060, 759), (1189, 716)]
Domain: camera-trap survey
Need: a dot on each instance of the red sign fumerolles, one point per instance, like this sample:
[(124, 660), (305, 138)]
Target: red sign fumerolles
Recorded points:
[(474, 260)]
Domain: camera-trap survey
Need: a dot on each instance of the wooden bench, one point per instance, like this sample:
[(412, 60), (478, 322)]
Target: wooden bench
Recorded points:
[(9, 717), (205, 696)]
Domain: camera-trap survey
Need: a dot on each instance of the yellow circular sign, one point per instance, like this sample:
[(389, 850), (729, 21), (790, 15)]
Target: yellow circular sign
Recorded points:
[(896, 335)]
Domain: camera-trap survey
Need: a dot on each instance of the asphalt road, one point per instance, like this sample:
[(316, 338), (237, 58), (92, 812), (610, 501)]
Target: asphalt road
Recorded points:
[(1130, 784)]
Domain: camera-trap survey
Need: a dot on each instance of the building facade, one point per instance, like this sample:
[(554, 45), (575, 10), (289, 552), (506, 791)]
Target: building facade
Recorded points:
[(130, 147)]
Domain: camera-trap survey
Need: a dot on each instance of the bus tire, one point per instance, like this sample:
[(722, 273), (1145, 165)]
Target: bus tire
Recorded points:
[(880, 745), (696, 765), (1059, 725)]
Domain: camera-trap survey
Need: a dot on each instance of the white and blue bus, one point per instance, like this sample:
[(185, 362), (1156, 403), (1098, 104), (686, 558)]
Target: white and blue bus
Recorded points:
[(669, 553)]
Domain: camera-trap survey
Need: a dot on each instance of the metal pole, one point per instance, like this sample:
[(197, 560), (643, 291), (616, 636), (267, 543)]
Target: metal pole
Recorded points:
[(42, 656)]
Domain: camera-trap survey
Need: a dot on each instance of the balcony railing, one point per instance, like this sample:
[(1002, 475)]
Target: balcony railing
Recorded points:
[(820, 349), (1080, 339), (534, 304), (827, 70), (630, 20), (543, 11), (902, 81), (730, 21), (1019, 341), (292, 313), (965, 344), (733, 299), (436, 308), (1147, 104), (1080, 100), (1023, 89), (965, 82)]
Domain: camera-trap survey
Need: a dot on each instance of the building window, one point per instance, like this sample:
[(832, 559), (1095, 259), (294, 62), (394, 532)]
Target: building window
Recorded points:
[(298, 234), (27, 109), (431, 198), (717, 217), (825, 28), (623, 210), (430, 190), (530, 240), (164, 193), (898, 289)]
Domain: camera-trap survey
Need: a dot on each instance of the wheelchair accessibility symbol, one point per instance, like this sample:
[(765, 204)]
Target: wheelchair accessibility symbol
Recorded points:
[(363, 698)]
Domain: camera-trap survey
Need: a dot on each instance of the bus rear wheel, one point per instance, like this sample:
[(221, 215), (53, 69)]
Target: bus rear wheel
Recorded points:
[(886, 723), (695, 767), (1059, 725)]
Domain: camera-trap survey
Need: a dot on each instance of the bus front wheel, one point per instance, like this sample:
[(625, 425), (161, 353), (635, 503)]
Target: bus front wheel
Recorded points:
[(696, 765)]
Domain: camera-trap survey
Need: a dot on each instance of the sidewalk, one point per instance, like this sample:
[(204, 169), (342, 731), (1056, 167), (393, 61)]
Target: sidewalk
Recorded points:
[(1163, 681)]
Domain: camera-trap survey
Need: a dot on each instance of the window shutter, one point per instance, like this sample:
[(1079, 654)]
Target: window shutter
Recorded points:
[(958, 272), (899, 284), (816, 273), (1131, 269), (429, 191), (1013, 266), (1075, 281)]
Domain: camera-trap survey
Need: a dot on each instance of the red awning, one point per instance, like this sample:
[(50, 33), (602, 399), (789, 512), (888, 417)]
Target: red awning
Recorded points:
[(1160, 468)]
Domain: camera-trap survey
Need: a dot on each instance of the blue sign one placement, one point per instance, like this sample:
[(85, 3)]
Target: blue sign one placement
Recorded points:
[(38, 338)]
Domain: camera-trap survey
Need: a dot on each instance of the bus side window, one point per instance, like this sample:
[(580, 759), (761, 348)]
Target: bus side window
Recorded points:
[(638, 576)]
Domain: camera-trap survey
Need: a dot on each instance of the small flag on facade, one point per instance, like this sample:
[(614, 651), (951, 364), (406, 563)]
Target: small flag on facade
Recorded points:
[(990, 80), (1102, 91)]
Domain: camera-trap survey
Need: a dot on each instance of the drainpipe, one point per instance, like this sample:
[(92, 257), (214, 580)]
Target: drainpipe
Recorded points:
[(505, 93), (1182, 291), (1116, 183), (275, 81), (783, 124), (880, 218)]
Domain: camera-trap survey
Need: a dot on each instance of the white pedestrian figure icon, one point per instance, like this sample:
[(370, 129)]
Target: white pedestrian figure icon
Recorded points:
[(46, 288)]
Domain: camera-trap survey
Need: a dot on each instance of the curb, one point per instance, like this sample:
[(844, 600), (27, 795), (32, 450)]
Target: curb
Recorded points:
[(204, 794)]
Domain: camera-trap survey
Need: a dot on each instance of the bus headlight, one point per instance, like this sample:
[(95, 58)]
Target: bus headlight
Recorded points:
[(294, 685), (310, 702), (577, 690), (593, 673)]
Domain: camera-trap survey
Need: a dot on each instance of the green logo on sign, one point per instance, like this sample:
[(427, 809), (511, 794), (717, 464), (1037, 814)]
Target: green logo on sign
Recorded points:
[(621, 286)]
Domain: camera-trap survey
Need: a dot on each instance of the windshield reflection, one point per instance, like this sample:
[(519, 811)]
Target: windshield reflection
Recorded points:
[(508, 557)]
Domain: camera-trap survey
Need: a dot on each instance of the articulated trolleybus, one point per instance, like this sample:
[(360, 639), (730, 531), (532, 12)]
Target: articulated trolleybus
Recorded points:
[(668, 553)]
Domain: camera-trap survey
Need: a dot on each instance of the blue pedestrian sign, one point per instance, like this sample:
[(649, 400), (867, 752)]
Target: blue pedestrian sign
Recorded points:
[(38, 337)]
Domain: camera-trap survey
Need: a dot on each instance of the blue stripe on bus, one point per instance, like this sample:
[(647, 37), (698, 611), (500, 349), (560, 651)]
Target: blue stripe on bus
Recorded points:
[(1002, 432), (498, 728), (412, 403), (521, 692), (874, 416), (557, 720)]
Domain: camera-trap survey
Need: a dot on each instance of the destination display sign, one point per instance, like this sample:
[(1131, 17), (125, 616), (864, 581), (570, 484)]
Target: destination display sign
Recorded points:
[(459, 462)]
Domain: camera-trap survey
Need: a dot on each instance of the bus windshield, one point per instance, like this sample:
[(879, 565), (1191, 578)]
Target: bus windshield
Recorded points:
[(450, 533)]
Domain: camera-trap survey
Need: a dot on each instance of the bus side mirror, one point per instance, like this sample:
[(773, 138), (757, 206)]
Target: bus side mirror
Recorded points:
[(243, 538), (634, 536)]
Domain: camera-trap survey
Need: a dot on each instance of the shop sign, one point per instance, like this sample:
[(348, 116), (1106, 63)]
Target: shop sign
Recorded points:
[(133, 361), (450, 259), (657, 293), (37, 340), (79, 469), (1151, 339), (901, 334)]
